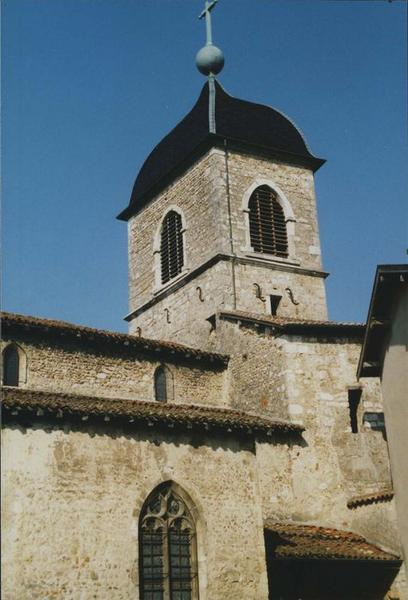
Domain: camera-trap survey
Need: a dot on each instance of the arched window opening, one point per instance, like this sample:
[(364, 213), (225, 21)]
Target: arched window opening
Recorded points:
[(171, 246), (160, 384), (267, 224), (167, 548), (11, 366)]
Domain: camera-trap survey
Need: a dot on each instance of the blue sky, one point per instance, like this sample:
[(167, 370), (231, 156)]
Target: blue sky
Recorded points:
[(90, 86)]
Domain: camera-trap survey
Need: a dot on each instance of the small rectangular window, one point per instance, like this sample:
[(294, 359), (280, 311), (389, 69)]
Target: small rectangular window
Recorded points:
[(374, 421), (354, 396), (275, 300)]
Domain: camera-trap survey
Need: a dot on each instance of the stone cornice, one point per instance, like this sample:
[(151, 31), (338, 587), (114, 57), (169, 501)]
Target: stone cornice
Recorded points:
[(278, 266)]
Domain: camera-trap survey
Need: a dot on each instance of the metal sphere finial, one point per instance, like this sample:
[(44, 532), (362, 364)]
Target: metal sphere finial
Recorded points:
[(210, 60)]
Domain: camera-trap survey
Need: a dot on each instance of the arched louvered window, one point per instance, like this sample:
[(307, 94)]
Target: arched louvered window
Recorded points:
[(267, 224), (11, 366), (163, 384), (167, 548), (171, 246)]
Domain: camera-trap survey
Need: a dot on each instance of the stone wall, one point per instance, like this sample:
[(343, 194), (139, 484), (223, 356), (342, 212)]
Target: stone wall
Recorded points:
[(302, 296), (186, 312), (306, 379), (216, 222), (71, 502), (74, 368), (199, 194), (295, 184)]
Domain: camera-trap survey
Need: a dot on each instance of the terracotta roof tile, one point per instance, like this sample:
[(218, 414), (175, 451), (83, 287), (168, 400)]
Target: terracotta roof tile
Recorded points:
[(310, 542), (384, 495), (12, 323), (18, 401)]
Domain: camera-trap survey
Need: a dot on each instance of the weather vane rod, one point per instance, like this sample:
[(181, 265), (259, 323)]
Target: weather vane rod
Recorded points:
[(210, 61)]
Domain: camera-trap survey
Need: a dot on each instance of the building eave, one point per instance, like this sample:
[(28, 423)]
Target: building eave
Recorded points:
[(385, 495), (17, 326), (294, 326), (388, 279), (295, 541), (24, 404), (217, 141)]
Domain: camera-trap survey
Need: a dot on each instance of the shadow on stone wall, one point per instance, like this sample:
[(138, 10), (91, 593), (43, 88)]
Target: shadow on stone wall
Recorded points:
[(156, 434)]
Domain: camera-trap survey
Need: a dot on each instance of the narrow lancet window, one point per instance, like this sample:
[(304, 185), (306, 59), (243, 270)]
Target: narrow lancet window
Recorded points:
[(167, 548), (171, 246), (160, 384), (11, 366), (354, 396), (267, 225)]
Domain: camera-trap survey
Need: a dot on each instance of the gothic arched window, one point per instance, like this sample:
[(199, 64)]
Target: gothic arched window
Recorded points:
[(171, 246), (11, 366), (267, 225), (167, 548), (163, 384)]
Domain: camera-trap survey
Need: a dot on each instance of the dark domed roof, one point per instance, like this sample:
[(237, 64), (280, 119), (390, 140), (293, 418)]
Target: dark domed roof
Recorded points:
[(244, 124)]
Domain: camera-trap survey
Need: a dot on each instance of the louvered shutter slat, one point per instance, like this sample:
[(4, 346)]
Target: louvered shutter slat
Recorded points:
[(171, 247), (267, 226)]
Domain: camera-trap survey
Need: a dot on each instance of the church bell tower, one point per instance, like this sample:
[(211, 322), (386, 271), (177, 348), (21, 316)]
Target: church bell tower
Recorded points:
[(222, 217)]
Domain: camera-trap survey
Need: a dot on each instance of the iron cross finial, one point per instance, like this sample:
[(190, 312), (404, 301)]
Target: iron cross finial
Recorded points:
[(209, 59), (209, 5)]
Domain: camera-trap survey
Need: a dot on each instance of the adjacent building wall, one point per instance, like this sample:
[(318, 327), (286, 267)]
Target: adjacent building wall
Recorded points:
[(395, 393), (307, 379)]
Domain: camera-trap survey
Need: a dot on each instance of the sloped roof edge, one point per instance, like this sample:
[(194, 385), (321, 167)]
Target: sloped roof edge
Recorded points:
[(295, 325), (19, 401), (386, 281), (384, 495), (309, 542), (13, 322)]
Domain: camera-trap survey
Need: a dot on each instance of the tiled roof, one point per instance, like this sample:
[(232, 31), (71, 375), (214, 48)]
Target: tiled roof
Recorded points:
[(21, 402), (303, 542), (293, 325), (14, 324), (247, 123), (384, 495)]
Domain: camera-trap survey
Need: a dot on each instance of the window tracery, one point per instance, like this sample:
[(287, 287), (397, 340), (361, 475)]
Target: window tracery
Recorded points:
[(167, 548)]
